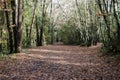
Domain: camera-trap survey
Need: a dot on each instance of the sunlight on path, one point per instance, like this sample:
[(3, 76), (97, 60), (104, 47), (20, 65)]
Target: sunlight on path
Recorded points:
[(60, 62)]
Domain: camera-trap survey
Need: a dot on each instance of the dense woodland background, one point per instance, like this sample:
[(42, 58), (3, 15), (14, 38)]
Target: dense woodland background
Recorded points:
[(29, 23)]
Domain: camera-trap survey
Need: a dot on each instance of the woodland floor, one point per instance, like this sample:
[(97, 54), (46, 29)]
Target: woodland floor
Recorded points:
[(60, 62)]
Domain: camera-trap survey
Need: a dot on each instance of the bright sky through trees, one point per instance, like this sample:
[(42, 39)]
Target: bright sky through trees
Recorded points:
[(62, 9)]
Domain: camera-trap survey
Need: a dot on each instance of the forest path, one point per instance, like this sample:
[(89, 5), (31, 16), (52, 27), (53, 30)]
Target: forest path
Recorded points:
[(60, 62)]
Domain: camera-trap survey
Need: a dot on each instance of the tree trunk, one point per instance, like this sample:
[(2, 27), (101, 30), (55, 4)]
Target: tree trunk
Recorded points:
[(27, 35), (117, 19), (0, 39), (19, 26), (51, 24), (33, 20), (52, 34), (37, 34), (42, 26), (14, 18), (78, 10), (8, 27), (105, 18)]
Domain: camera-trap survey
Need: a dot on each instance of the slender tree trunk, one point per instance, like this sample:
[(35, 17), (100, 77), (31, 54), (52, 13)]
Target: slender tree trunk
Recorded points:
[(33, 19), (52, 32), (117, 19), (43, 23), (105, 5), (19, 26), (51, 24), (78, 10), (27, 32), (37, 33), (8, 27), (14, 18), (0, 39), (105, 18)]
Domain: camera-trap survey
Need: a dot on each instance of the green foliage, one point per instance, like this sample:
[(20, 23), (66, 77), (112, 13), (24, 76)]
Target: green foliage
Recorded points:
[(1, 55), (86, 26), (84, 36), (110, 26)]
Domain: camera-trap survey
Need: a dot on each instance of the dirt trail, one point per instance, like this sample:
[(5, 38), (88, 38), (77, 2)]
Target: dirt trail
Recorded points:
[(60, 62)]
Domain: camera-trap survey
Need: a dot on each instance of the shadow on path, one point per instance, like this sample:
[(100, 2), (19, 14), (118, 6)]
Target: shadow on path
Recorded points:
[(59, 62)]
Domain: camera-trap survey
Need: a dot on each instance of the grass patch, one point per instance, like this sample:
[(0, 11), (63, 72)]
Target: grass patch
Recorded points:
[(4, 55), (1, 56)]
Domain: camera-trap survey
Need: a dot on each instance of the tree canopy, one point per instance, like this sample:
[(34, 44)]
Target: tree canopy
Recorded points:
[(27, 23)]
